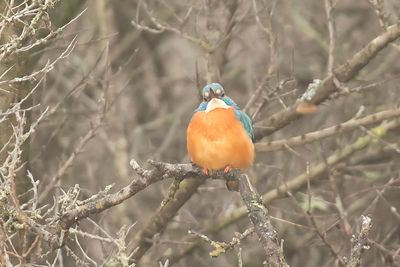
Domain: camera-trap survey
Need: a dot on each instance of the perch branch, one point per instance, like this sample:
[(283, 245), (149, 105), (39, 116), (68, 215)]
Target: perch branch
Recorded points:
[(161, 171)]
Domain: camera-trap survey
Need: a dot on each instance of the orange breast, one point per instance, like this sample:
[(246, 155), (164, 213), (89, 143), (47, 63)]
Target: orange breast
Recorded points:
[(217, 139)]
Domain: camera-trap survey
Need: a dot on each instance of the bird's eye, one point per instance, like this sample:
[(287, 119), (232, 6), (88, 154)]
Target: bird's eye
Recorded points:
[(222, 95), (206, 95), (218, 91)]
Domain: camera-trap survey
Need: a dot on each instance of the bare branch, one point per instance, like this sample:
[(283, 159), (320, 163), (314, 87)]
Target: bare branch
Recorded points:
[(329, 5), (343, 73), (222, 247), (330, 131), (262, 225), (360, 242), (160, 171)]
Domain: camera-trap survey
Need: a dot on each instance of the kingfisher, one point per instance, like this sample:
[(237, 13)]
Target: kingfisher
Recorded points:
[(220, 135)]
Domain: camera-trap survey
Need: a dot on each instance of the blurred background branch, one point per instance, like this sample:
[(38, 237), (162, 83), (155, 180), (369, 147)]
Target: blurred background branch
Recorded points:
[(87, 85)]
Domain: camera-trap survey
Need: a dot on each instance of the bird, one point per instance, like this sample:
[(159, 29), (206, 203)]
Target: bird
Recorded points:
[(220, 135)]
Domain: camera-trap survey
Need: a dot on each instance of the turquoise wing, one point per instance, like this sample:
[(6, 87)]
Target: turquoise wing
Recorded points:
[(242, 116), (246, 122)]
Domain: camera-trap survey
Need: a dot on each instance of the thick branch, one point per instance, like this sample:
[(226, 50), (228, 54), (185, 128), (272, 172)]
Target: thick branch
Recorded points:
[(343, 73), (161, 171)]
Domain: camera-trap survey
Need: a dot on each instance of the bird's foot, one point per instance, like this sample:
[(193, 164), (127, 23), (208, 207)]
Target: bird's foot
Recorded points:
[(232, 185), (205, 171), (227, 169)]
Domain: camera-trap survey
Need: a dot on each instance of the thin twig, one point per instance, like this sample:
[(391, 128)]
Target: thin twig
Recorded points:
[(330, 131)]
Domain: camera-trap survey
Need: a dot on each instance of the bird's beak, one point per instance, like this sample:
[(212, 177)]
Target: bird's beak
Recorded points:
[(213, 95)]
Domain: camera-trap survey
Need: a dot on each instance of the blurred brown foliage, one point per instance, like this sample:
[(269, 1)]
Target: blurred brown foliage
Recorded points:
[(129, 87)]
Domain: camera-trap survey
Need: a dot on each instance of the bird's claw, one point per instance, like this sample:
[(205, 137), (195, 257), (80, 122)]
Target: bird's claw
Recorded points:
[(227, 169)]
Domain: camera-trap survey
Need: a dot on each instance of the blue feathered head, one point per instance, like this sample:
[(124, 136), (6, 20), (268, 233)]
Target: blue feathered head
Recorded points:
[(212, 90), (215, 90)]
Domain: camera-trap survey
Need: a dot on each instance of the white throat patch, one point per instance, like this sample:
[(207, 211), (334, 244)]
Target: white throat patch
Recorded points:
[(216, 103)]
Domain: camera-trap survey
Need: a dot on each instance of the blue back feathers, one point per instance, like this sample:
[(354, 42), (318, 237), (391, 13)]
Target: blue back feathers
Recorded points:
[(246, 122), (241, 115)]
